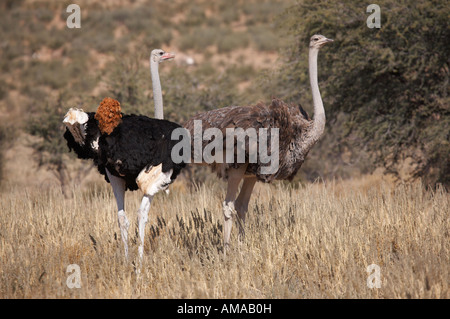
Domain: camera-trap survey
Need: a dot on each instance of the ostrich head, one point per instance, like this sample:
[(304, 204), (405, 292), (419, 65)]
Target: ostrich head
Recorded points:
[(159, 55), (317, 41), (75, 121)]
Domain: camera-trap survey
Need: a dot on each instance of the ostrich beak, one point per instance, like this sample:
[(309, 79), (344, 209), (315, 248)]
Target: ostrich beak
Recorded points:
[(167, 56), (324, 41)]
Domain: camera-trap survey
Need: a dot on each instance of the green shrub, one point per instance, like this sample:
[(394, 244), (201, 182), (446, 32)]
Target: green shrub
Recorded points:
[(128, 83), (262, 11), (390, 83), (229, 14), (264, 38), (232, 41), (10, 4), (194, 17), (3, 89), (43, 14), (199, 38), (2, 141), (157, 38), (56, 38)]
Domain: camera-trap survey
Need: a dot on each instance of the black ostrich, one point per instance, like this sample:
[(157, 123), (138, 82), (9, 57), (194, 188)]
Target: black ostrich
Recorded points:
[(131, 151)]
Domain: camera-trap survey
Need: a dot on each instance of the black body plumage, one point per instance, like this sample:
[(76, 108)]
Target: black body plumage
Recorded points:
[(137, 143)]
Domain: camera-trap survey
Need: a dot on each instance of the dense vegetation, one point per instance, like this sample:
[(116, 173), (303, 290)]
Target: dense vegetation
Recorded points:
[(385, 90)]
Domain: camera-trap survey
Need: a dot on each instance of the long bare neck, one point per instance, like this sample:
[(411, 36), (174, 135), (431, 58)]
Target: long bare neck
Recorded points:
[(319, 112), (157, 92)]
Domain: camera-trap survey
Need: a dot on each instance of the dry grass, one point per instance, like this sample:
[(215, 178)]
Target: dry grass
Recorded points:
[(312, 242)]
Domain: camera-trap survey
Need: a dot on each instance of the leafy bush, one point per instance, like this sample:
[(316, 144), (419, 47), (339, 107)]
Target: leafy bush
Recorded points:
[(195, 17), (2, 141), (158, 38), (128, 82), (52, 73), (50, 149), (10, 4), (43, 14), (392, 82), (199, 38), (230, 14), (261, 11), (232, 41), (264, 38), (3, 89)]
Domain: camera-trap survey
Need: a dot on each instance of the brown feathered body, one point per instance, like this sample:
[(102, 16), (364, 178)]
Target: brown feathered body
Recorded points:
[(291, 120)]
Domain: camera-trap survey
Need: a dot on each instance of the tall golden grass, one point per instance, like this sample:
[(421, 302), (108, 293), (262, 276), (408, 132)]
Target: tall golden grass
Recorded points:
[(312, 241)]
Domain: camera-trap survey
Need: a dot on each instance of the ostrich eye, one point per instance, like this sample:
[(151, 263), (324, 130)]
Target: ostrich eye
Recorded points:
[(160, 53), (316, 39)]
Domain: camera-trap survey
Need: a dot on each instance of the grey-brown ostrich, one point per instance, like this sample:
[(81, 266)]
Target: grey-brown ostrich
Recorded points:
[(297, 135)]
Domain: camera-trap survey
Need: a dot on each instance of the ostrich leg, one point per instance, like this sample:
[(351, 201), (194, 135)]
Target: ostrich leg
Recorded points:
[(142, 221), (118, 186), (150, 181), (242, 201), (234, 178)]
